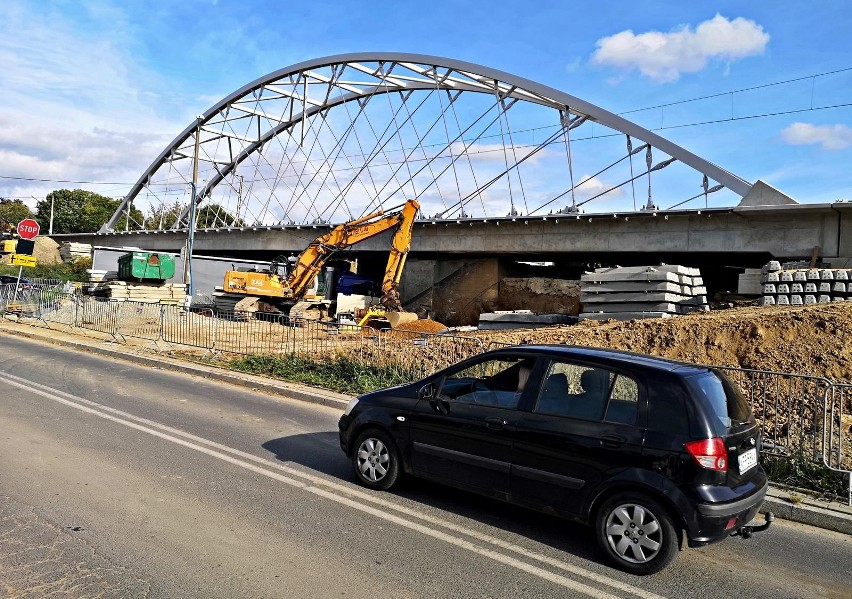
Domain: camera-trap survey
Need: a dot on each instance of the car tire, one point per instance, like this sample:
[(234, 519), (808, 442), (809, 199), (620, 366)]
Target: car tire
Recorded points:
[(636, 533), (376, 460)]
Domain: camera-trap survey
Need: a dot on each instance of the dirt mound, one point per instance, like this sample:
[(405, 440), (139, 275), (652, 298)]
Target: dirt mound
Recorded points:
[(814, 340), (423, 325)]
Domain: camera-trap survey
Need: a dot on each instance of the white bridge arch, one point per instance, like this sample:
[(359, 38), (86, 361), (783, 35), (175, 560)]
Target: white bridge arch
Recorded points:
[(331, 139)]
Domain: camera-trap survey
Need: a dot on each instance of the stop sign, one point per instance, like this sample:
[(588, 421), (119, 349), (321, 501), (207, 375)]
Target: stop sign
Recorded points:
[(28, 229)]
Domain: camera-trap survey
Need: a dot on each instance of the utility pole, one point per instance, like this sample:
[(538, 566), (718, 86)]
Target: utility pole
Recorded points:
[(191, 236)]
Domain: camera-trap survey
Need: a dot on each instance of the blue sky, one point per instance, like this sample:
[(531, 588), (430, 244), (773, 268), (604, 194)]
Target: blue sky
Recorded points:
[(94, 90)]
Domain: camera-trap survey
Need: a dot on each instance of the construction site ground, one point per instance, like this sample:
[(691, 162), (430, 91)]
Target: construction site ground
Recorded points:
[(815, 340)]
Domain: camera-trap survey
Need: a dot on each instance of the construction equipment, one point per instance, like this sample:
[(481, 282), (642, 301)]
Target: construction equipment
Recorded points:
[(296, 292)]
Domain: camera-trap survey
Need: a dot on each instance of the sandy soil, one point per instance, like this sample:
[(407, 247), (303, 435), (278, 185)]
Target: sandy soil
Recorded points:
[(814, 340)]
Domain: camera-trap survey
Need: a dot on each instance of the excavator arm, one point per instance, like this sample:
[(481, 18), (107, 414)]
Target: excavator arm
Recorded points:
[(311, 261)]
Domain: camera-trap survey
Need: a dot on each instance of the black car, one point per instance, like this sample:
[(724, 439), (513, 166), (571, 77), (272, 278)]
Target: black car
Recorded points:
[(640, 447), (10, 280)]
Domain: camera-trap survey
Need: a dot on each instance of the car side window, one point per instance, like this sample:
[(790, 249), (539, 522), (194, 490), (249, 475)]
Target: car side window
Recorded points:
[(623, 401), (588, 393), (497, 382)]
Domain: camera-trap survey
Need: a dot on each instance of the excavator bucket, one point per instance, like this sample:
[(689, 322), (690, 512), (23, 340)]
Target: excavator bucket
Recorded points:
[(397, 318)]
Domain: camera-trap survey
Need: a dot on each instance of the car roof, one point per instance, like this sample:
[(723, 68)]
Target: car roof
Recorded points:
[(610, 356)]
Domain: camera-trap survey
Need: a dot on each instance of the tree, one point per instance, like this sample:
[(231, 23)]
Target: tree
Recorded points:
[(81, 211), (14, 211), (215, 215), (163, 216)]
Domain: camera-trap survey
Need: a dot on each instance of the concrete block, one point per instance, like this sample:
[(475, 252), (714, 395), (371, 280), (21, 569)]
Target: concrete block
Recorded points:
[(620, 298), (609, 277), (772, 277), (787, 276), (838, 298), (810, 288), (521, 319), (635, 286), (749, 282), (800, 275), (699, 291), (630, 307), (841, 275), (783, 288), (796, 300), (769, 289), (823, 299), (838, 287), (813, 275), (767, 300), (783, 300), (623, 315), (826, 274), (825, 287), (797, 288), (673, 268), (773, 265), (810, 299)]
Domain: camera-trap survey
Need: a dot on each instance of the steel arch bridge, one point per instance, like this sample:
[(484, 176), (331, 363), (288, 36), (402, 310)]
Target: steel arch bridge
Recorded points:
[(331, 139)]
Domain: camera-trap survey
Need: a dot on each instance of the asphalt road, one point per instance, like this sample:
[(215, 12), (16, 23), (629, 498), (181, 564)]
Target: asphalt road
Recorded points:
[(123, 481)]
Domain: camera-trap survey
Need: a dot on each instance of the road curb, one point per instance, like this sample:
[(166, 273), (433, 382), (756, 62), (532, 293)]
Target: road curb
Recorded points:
[(808, 512)]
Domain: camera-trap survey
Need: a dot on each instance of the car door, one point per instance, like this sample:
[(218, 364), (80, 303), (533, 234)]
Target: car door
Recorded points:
[(582, 429), (462, 427)]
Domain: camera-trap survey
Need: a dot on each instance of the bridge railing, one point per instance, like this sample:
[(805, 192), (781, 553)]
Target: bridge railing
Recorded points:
[(802, 417)]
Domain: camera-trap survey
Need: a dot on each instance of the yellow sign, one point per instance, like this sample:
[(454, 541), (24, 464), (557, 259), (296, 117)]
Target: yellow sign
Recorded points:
[(23, 260)]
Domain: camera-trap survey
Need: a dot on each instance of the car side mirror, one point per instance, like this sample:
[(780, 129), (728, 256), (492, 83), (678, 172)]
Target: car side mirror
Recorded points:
[(427, 391)]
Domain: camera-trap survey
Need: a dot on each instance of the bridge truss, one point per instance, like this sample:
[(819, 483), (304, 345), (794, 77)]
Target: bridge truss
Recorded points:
[(332, 139)]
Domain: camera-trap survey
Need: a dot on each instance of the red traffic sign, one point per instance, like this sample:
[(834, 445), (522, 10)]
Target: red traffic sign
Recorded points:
[(28, 229)]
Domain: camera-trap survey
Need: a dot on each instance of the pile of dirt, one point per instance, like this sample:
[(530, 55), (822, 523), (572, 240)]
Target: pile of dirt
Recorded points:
[(46, 251), (814, 340), (410, 330)]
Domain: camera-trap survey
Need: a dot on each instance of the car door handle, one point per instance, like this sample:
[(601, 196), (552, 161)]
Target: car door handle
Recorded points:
[(495, 423), (611, 441)]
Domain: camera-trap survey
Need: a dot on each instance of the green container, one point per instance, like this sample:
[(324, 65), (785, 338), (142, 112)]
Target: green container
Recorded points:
[(146, 266)]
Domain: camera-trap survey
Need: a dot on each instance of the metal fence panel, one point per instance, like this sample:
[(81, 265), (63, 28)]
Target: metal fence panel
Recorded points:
[(140, 320), (98, 315), (195, 328)]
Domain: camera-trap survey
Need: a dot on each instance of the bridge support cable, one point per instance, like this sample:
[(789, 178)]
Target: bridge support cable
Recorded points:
[(590, 178), (632, 183)]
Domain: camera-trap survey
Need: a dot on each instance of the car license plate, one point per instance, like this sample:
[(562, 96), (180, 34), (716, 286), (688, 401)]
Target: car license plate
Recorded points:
[(748, 460)]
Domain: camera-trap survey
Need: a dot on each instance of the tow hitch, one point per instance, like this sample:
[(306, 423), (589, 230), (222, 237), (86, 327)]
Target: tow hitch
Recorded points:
[(746, 531)]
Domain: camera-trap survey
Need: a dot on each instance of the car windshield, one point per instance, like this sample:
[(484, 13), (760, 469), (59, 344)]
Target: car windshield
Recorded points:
[(728, 404)]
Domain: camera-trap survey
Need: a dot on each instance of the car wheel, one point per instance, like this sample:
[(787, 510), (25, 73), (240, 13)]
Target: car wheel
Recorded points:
[(636, 533), (376, 460)]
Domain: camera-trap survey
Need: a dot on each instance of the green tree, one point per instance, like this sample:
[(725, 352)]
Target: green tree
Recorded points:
[(215, 215), (163, 216), (81, 211), (14, 211)]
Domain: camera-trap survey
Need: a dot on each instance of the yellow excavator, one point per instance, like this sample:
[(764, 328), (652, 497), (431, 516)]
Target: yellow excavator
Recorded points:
[(296, 293)]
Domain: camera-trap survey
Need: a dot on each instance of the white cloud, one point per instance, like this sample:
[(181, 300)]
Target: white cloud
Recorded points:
[(481, 152), (830, 137), (665, 56)]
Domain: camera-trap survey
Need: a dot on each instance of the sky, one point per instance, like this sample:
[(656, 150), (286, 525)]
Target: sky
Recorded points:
[(94, 90)]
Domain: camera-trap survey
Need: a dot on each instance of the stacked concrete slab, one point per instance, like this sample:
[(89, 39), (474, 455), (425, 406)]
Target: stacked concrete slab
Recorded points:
[(149, 293), (521, 319), (70, 251), (627, 293), (797, 284)]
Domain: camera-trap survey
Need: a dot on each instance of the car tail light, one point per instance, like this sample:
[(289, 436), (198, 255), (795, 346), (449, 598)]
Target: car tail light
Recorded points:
[(709, 453)]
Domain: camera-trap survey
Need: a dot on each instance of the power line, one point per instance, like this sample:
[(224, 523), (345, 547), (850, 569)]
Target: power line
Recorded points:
[(547, 127)]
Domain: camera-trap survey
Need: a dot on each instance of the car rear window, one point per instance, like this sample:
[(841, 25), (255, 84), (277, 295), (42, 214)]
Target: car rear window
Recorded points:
[(727, 403)]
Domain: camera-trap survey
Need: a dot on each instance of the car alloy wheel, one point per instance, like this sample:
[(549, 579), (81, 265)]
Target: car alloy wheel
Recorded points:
[(637, 533), (376, 460)]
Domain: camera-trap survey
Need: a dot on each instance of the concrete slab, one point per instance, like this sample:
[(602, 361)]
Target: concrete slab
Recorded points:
[(635, 286), (620, 298), (593, 307), (608, 277), (623, 315), (490, 321)]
